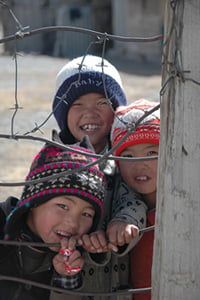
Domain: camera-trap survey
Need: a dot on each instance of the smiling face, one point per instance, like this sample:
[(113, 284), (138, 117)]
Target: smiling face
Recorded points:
[(141, 175), (62, 216), (91, 115)]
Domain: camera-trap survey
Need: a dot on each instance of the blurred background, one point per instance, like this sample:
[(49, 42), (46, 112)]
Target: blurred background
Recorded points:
[(28, 66), (132, 18)]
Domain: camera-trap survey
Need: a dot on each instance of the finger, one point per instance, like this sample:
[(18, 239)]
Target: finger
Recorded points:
[(131, 232), (98, 241), (87, 245), (72, 243), (102, 239), (121, 237), (64, 243), (76, 260), (112, 235), (112, 247)]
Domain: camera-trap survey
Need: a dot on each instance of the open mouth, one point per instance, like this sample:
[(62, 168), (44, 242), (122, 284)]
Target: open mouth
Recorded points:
[(141, 178), (89, 127), (63, 234)]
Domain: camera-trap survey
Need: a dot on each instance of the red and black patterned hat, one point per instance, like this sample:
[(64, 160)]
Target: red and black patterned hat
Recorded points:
[(81, 180)]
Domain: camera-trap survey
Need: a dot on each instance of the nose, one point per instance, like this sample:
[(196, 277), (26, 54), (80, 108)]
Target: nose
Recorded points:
[(90, 109), (72, 223), (91, 105), (138, 163)]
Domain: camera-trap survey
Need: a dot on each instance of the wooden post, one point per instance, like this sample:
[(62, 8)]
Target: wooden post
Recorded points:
[(176, 260)]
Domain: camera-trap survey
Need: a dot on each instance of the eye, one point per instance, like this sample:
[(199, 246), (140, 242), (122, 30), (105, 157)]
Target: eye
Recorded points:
[(152, 153), (102, 102), (88, 215), (76, 104), (127, 155), (63, 206)]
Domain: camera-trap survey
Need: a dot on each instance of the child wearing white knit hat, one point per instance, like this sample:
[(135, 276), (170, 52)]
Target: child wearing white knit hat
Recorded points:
[(89, 89)]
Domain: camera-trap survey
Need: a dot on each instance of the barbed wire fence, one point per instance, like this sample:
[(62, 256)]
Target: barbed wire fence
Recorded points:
[(101, 38)]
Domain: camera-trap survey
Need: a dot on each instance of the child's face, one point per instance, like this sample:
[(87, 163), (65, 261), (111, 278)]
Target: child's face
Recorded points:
[(91, 115), (62, 216), (141, 175)]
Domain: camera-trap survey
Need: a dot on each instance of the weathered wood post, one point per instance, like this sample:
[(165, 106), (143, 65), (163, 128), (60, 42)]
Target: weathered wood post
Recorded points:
[(176, 261)]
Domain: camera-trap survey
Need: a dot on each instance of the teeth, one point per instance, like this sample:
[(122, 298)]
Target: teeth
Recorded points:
[(90, 127), (141, 178), (62, 234)]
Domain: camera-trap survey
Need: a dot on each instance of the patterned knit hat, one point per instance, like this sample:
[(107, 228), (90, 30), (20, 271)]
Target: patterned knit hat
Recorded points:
[(147, 130), (88, 183), (81, 76)]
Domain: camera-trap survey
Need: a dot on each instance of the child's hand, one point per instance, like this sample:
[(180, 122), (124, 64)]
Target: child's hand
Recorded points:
[(120, 233), (69, 260), (96, 242)]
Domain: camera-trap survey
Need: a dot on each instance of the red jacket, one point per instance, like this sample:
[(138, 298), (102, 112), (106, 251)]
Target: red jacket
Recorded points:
[(141, 260)]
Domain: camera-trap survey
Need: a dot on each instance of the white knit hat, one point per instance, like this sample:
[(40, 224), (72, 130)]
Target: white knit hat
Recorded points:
[(85, 75)]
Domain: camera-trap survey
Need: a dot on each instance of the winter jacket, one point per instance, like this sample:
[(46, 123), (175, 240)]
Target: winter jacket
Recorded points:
[(109, 272), (141, 260), (23, 262)]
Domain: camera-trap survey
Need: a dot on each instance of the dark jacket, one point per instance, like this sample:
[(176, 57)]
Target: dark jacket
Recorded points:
[(23, 262)]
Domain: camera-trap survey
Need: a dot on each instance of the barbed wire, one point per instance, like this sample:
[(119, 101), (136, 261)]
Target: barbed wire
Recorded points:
[(173, 68), (62, 290), (101, 38), (72, 292)]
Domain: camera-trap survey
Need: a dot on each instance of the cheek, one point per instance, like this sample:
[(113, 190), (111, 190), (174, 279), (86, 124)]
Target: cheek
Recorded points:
[(108, 116), (85, 226), (154, 168), (124, 168), (126, 174), (36, 222), (70, 118), (41, 223)]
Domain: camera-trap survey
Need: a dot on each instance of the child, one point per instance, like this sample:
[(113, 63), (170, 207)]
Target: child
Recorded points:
[(141, 176), (55, 208), (89, 89), (88, 92)]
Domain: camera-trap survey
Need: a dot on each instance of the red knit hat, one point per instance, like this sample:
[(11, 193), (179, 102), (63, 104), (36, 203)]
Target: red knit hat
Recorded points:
[(146, 131)]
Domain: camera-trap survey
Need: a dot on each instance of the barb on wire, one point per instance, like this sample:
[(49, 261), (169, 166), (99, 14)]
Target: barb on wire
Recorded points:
[(84, 31), (16, 91), (19, 26), (103, 74)]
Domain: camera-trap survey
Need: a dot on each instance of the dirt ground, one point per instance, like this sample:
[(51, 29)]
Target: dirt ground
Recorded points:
[(35, 91)]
